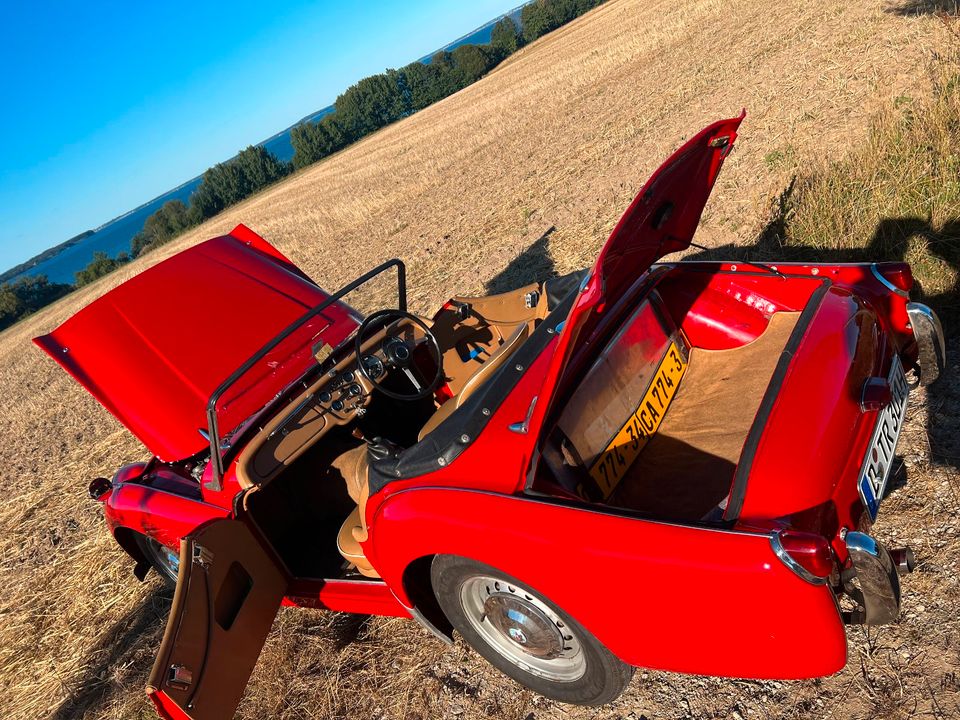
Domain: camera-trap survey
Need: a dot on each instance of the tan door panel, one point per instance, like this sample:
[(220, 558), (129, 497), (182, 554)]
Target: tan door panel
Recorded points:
[(506, 309), (228, 593)]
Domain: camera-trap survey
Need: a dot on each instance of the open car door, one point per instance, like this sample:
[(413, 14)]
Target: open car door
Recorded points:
[(228, 592)]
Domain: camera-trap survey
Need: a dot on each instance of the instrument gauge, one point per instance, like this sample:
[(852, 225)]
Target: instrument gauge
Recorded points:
[(373, 366)]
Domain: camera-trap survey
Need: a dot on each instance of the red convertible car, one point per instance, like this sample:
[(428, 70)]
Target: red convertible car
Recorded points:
[(667, 465)]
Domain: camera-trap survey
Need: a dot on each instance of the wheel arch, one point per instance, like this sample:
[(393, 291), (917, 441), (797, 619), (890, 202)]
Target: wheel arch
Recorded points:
[(541, 543), (127, 539), (425, 608)]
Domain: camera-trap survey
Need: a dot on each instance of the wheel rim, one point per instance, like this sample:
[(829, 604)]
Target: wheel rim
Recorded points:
[(522, 628), (166, 560)]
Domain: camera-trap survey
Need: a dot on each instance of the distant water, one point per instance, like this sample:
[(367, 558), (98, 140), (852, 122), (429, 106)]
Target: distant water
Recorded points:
[(480, 36), (114, 237)]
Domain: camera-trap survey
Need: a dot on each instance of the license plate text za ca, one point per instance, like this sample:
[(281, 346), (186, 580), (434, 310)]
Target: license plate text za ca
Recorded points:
[(621, 452)]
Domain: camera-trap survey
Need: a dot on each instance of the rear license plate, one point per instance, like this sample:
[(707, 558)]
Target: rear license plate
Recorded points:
[(875, 470), (621, 452)]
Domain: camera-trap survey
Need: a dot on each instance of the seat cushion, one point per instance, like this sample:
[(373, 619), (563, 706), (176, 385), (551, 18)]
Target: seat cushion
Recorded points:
[(350, 548), (352, 465)]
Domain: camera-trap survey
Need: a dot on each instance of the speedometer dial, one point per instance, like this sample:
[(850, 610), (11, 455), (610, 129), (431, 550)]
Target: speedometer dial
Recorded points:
[(373, 366)]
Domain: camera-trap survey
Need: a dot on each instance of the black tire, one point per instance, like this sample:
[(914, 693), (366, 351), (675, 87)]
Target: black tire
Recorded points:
[(161, 559), (562, 660)]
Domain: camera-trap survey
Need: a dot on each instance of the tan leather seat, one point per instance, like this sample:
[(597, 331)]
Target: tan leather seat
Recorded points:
[(353, 465), (495, 361)]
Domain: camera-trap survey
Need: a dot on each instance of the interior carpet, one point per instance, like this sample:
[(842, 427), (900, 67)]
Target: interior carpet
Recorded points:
[(686, 469)]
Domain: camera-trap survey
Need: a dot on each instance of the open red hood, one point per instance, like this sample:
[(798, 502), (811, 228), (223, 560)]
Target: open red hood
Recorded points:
[(153, 349), (661, 219)]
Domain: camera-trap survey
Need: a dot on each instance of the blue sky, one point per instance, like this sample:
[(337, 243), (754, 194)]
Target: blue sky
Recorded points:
[(107, 105)]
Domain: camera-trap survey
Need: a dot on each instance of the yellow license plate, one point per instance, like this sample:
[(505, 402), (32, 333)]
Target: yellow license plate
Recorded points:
[(612, 464)]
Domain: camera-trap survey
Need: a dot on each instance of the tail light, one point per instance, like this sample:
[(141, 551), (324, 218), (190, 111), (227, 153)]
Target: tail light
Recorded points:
[(875, 394), (897, 275), (806, 554)]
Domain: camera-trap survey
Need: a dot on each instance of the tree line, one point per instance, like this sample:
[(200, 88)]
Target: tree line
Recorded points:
[(222, 185), (379, 100), (372, 103)]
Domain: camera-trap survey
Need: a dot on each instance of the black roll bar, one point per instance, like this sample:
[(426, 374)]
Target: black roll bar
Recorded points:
[(216, 482)]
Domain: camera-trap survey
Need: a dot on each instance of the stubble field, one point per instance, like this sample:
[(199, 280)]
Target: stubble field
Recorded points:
[(521, 174)]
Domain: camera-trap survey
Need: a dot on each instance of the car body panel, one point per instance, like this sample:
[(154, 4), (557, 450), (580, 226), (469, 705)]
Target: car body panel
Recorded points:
[(139, 348), (514, 450), (817, 406), (663, 217), (165, 516), (362, 596), (685, 599)]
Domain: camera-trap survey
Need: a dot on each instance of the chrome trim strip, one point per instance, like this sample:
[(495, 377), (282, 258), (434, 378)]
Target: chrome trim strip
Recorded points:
[(928, 333), (877, 574), (886, 283), (797, 568)]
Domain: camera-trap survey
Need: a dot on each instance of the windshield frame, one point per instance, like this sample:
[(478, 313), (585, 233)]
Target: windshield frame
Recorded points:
[(213, 431)]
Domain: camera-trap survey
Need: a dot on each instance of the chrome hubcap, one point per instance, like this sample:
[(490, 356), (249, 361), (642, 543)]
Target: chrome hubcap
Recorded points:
[(170, 559), (524, 624), (522, 628)]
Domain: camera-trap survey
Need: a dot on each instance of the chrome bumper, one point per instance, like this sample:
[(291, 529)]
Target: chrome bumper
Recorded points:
[(928, 333), (876, 571)]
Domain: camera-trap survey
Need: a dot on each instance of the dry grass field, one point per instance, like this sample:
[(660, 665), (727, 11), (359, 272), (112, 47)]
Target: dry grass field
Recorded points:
[(561, 135)]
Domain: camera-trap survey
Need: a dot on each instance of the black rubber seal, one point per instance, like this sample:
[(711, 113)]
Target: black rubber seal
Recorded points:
[(455, 434), (739, 489)]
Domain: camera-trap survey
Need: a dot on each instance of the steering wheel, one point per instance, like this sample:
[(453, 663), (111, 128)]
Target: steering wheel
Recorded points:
[(398, 354)]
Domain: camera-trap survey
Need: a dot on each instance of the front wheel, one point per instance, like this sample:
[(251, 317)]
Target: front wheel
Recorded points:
[(164, 560), (525, 635)]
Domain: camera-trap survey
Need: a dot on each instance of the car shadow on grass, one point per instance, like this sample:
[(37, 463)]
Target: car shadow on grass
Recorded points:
[(891, 241), (116, 651), (348, 628), (532, 265), (910, 8)]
